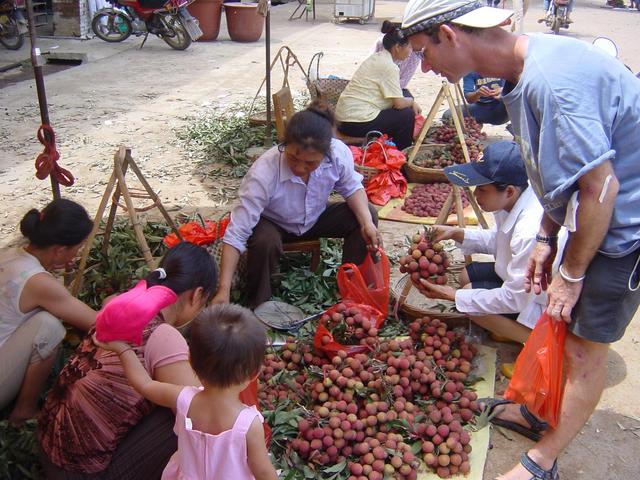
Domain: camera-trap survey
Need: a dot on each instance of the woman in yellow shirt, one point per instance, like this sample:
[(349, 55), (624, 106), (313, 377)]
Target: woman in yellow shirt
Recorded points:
[(373, 98)]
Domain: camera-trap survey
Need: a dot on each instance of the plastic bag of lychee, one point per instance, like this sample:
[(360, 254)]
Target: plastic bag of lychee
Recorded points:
[(367, 283), (349, 326)]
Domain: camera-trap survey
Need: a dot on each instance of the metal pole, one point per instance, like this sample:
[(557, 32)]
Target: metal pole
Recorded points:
[(37, 62), (268, 139)]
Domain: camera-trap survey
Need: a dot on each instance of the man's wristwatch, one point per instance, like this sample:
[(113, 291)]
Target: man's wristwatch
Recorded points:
[(547, 239)]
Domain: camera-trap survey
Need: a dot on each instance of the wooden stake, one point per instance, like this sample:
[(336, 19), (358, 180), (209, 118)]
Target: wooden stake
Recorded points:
[(122, 160)]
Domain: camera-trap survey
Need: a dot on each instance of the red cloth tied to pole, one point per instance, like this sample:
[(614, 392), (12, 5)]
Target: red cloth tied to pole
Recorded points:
[(47, 161)]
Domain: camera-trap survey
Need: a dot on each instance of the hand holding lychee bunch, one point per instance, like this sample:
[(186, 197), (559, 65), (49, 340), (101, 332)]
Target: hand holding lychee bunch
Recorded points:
[(425, 261)]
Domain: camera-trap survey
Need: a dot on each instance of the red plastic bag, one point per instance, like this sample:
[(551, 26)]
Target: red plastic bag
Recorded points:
[(385, 186), (331, 348), (367, 283), (538, 380), (381, 155), (197, 233), (249, 396)]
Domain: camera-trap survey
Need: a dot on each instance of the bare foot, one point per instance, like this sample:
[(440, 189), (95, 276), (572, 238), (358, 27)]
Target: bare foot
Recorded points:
[(511, 413), (516, 473), (19, 416)]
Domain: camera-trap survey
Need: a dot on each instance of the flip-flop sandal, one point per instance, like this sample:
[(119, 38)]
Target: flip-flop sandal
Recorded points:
[(537, 471), (534, 432)]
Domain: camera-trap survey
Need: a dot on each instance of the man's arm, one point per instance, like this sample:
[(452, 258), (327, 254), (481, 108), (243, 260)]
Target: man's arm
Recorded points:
[(598, 191)]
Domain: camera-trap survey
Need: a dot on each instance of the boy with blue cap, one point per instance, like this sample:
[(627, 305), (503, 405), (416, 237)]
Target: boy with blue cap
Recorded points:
[(576, 124), (493, 293)]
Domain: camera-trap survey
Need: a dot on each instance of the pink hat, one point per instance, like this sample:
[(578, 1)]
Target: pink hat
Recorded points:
[(125, 317)]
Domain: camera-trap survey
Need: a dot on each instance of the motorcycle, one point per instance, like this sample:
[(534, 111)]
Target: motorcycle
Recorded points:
[(13, 24), (168, 19), (557, 15)]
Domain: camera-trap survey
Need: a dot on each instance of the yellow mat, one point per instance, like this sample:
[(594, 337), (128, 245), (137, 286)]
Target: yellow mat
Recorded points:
[(393, 211), (485, 368)]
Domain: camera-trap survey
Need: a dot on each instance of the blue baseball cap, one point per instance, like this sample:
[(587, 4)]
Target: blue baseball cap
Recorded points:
[(501, 162)]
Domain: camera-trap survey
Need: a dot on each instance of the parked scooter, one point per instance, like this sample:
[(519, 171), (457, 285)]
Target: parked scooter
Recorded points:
[(168, 19), (557, 15), (13, 24)]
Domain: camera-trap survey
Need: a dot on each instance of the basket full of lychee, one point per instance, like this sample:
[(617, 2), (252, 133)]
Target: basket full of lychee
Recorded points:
[(425, 260)]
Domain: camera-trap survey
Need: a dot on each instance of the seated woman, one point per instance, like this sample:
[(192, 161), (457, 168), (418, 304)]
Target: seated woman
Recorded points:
[(373, 99), (493, 294), (94, 425), (284, 196), (33, 302)]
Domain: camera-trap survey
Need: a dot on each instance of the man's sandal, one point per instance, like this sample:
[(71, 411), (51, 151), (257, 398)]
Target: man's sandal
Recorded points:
[(534, 432), (537, 471)]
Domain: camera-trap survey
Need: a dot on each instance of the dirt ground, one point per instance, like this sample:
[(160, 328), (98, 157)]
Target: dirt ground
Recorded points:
[(123, 95)]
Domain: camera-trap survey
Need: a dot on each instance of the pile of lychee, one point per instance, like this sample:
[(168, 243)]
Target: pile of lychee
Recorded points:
[(385, 414), (426, 200), (350, 324), (425, 260)]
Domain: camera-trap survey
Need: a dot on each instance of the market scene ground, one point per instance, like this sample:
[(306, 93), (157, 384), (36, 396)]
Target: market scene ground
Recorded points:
[(146, 99)]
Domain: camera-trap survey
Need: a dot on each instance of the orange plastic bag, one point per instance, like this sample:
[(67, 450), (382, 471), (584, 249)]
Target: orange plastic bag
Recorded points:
[(198, 233), (537, 380), (331, 348), (249, 396), (367, 283)]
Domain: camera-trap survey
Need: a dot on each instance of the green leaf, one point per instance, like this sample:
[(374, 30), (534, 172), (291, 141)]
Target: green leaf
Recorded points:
[(337, 468)]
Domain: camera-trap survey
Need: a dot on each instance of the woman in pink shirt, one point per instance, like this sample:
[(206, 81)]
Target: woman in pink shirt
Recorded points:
[(284, 198), (94, 424), (219, 438)]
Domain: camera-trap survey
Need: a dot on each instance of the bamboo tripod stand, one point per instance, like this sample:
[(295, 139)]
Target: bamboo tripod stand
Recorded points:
[(454, 195), (121, 162)]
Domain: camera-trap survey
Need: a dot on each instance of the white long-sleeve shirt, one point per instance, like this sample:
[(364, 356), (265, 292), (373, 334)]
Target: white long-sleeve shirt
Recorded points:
[(510, 241)]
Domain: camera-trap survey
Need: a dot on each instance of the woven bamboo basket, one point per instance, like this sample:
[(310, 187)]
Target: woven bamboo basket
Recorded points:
[(411, 302), (369, 172), (417, 174)]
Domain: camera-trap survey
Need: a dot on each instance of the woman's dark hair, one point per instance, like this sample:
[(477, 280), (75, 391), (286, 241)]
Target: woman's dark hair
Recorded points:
[(187, 266), (227, 345), (62, 222), (312, 128), (392, 35)]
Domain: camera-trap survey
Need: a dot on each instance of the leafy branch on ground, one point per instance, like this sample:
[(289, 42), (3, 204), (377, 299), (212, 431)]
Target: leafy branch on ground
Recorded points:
[(223, 136), (123, 263), (18, 450), (311, 291)]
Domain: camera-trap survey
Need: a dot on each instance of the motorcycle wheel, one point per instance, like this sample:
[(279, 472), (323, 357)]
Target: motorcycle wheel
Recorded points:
[(176, 36), (555, 25), (10, 37), (111, 26)]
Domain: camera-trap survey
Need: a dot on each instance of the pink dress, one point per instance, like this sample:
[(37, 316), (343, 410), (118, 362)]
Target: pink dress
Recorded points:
[(202, 455)]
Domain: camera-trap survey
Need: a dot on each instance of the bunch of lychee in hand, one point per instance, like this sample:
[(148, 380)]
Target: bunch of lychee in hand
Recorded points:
[(425, 260)]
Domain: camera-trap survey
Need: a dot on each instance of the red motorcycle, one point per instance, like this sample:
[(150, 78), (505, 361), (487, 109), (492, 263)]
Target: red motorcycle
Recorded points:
[(13, 25), (168, 19)]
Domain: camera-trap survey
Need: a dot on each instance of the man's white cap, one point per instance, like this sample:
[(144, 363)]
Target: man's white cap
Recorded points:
[(420, 15)]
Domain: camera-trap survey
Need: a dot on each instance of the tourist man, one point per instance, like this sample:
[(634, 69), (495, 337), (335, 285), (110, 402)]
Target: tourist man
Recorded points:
[(575, 117)]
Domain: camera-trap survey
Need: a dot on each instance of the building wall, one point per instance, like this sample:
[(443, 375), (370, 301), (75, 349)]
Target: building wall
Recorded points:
[(71, 18)]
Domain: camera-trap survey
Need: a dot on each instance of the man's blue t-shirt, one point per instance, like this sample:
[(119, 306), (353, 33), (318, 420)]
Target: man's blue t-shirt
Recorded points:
[(473, 81), (574, 108)]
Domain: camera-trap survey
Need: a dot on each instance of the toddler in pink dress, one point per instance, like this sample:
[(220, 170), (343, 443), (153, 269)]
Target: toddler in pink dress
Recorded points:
[(219, 438)]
